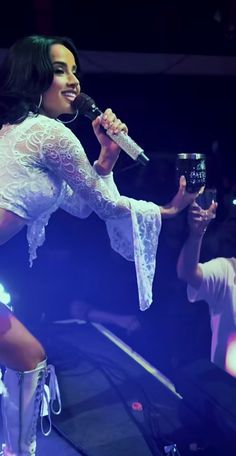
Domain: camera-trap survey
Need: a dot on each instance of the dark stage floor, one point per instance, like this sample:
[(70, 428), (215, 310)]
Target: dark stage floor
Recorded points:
[(114, 402)]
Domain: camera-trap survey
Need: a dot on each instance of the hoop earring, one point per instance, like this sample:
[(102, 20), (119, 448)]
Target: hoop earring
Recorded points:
[(71, 120), (40, 102)]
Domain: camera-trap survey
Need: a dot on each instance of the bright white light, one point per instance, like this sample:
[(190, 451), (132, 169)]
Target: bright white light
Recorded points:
[(5, 298), (234, 202)]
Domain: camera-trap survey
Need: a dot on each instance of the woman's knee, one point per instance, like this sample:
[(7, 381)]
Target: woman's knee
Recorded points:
[(19, 349), (34, 355)]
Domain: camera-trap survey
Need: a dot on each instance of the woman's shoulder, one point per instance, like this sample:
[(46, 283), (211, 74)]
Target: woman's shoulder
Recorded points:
[(40, 119), (47, 124), (52, 129)]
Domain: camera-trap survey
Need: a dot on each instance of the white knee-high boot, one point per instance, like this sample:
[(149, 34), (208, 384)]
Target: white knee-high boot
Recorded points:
[(26, 397)]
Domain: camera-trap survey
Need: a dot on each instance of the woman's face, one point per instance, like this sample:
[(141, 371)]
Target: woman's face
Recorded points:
[(65, 87)]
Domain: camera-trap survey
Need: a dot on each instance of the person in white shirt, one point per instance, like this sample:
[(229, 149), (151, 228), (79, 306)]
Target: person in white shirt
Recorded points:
[(213, 281)]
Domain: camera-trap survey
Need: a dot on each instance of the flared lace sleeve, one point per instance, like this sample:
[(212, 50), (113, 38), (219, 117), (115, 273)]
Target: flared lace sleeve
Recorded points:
[(136, 238), (133, 226)]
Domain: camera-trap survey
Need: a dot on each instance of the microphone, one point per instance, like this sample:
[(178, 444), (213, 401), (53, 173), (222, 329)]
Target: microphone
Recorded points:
[(86, 106)]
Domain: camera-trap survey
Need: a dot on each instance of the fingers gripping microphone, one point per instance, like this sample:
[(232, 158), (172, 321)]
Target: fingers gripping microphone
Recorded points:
[(86, 106)]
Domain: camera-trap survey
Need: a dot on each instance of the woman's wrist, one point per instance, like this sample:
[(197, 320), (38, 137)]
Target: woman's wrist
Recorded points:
[(101, 169), (106, 161)]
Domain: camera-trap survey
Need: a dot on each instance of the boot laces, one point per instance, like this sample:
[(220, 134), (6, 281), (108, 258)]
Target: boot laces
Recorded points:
[(51, 400)]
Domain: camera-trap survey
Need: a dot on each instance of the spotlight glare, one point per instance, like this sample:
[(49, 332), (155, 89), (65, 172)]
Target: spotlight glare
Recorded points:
[(5, 297)]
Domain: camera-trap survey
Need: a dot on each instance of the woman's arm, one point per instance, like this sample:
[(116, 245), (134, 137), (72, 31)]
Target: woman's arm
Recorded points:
[(10, 224), (110, 151)]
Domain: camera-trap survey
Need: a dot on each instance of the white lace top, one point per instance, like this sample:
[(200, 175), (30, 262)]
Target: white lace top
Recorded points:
[(43, 167)]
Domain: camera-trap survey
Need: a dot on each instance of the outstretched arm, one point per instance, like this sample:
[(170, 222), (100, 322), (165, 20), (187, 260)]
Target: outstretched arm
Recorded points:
[(133, 226), (110, 152), (188, 268), (181, 200)]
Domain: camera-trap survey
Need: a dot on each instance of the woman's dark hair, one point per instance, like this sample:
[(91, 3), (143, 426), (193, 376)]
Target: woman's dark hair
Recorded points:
[(27, 72)]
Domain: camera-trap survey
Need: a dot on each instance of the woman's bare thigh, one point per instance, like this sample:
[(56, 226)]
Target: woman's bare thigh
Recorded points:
[(19, 349)]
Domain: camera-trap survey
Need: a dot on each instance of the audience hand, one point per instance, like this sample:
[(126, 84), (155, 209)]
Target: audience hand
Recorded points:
[(199, 218)]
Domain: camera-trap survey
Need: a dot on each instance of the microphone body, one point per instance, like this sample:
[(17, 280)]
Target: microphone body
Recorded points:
[(87, 107)]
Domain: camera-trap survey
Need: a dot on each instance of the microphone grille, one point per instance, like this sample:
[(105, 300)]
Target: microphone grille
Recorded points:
[(83, 103)]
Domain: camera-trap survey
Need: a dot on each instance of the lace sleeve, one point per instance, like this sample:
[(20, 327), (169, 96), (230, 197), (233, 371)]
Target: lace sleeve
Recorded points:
[(136, 238), (133, 226), (64, 155), (73, 204)]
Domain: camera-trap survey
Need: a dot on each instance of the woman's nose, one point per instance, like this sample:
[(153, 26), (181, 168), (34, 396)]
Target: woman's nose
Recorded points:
[(73, 80)]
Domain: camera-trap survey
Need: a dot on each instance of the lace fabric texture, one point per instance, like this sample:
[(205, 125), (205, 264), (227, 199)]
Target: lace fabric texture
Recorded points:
[(136, 239), (44, 167)]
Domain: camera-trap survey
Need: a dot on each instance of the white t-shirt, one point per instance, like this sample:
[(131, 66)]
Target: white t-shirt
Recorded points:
[(218, 289)]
